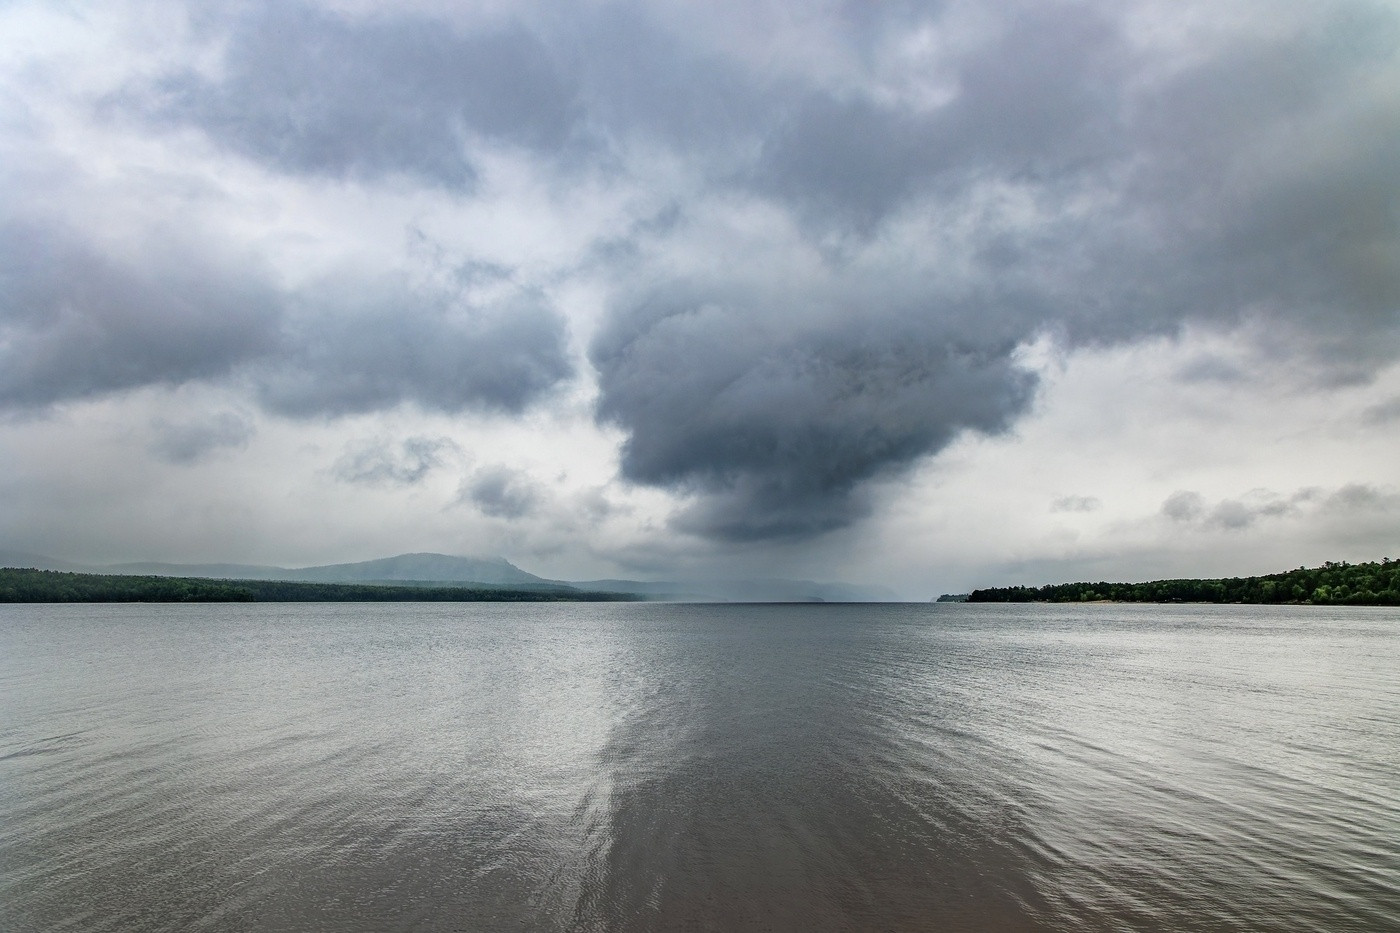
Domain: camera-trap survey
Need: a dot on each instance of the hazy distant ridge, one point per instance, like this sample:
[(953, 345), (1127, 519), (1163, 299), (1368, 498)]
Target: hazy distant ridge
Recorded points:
[(489, 571), (422, 566), (443, 568)]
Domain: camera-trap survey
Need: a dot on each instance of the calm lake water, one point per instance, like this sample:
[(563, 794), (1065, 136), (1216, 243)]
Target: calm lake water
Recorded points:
[(649, 767)]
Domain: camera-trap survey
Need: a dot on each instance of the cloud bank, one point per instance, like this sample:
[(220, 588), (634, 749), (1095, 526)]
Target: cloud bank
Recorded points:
[(817, 260)]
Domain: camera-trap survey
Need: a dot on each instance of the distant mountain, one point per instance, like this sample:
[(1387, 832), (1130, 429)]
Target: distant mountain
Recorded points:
[(435, 567), (446, 569), (424, 568), (10, 558)]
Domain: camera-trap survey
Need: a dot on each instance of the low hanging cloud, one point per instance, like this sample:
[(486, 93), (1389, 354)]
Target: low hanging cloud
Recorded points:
[(1242, 513), (1362, 498), (1189, 508), (1184, 505), (186, 442), (502, 492), (1384, 413), (1076, 504), (379, 462)]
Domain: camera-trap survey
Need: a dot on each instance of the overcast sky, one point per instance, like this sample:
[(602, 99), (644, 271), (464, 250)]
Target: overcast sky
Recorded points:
[(931, 295)]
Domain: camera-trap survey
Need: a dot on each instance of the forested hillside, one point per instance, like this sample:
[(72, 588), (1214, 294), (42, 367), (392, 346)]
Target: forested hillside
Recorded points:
[(1334, 583)]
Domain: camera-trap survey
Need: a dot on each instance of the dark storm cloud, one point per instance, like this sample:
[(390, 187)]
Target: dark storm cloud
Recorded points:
[(501, 493), (78, 323), (1153, 193), (191, 441), (777, 428), (310, 91), (381, 463)]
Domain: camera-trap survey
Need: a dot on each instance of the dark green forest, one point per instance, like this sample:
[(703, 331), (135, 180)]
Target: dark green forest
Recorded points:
[(1333, 584), (52, 586)]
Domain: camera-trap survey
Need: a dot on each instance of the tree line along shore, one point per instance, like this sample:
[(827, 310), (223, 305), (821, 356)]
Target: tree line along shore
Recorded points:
[(1333, 584), (55, 586)]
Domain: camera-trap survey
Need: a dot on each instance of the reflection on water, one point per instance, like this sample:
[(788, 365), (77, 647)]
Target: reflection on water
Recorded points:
[(637, 767)]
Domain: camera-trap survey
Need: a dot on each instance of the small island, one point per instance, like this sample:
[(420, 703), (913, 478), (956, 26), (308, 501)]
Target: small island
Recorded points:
[(1335, 583)]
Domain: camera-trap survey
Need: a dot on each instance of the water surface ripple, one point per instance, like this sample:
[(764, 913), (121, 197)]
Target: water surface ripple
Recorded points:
[(650, 767)]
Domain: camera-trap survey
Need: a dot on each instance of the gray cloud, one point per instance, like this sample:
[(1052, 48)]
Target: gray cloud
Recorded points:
[(777, 428), (1383, 412), (1254, 206), (1363, 497), (191, 441), (1234, 514), (1211, 368), (1239, 513), (645, 81), (76, 323), (381, 463), (1076, 504), (1259, 504), (502, 492), (357, 349), (1036, 104), (1184, 506), (310, 91)]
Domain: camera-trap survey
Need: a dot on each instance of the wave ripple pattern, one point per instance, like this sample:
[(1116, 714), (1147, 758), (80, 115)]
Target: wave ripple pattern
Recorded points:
[(717, 767)]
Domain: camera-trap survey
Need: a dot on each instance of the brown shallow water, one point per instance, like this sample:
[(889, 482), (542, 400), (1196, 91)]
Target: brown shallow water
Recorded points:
[(639, 767)]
